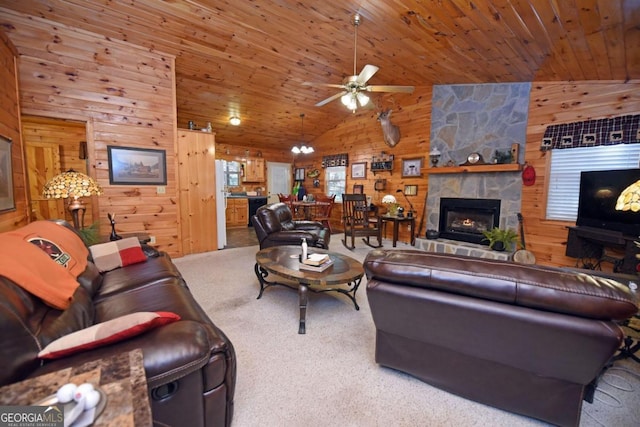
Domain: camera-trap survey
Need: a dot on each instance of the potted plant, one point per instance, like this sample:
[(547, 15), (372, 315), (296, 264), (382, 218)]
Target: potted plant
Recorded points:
[(91, 235), (500, 239)]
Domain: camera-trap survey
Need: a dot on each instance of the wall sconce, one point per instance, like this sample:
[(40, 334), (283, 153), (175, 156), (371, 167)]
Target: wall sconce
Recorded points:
[(72, 185), (235, 121)]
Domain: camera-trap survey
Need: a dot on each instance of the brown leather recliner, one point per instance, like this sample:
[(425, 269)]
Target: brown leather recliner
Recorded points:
[(524, 338), (275, 226)]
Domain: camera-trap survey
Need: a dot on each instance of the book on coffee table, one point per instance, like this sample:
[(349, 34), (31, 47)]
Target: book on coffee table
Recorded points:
[(316, 259), (317, 268)]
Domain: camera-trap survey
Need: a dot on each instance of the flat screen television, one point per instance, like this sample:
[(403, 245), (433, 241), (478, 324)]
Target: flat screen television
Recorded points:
[(599, 191)]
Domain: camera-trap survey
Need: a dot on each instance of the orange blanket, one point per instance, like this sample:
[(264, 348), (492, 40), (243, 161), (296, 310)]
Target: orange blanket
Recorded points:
[(45, 259)]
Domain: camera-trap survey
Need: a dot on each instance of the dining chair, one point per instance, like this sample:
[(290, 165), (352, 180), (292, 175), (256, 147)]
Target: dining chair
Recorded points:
[(286, 198), (324, 208)]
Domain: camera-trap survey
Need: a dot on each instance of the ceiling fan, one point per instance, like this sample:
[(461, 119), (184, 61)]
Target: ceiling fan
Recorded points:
[(354, 86)]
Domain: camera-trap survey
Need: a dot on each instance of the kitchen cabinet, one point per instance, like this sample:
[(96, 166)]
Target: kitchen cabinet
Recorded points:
[(237, 212), (254, 170)]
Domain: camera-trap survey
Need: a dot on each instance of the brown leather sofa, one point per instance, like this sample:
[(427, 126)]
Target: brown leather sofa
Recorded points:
[(527, 339), (190, 364), (275, 226)]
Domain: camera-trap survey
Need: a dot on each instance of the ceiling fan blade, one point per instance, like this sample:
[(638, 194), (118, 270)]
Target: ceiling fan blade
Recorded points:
[(322, 84), (367, 72), (331, 98), (386, 88)]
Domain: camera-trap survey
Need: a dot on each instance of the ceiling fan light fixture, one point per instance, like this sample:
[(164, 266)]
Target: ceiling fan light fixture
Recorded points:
[(235, 121), (349, 100), (295, 150), (362, 99), (352, 86)]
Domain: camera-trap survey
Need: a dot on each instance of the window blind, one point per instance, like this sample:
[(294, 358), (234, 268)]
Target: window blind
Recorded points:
[(566, 165)]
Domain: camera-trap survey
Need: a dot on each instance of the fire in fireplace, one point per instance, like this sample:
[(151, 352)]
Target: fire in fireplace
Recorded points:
[(465, 219)]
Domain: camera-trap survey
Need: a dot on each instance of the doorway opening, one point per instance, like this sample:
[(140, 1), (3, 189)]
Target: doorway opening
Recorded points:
[(53, 146), (278, 180)]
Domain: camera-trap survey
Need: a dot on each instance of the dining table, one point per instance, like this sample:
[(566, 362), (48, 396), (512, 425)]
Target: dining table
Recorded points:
[(308, 210)]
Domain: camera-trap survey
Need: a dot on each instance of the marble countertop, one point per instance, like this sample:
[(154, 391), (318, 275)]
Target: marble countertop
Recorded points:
[(121, 377)]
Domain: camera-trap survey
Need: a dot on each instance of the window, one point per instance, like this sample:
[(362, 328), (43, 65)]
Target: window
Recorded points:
[(566, 165), (336, 181), (232, 173)]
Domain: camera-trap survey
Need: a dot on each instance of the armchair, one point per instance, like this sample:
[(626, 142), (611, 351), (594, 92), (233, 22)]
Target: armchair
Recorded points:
[(524, 338), (275, 226)]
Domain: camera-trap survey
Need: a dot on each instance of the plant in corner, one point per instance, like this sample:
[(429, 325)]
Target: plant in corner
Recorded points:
[(500, 239), (91, 234)]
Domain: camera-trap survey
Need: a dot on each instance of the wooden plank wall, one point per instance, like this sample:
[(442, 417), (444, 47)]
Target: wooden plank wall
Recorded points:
[(554, 103), (10, 128), (550, 103), (361, 137), (126, 96)]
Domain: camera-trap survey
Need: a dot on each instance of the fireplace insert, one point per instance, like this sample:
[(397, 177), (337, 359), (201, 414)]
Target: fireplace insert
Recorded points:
[(465, 219)]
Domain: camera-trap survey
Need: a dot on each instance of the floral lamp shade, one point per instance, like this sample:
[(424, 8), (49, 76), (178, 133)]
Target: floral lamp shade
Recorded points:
[(629, 199), (72, 185)]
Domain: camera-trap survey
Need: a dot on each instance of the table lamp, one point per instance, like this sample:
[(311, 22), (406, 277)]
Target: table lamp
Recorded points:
[(392, 204), (629, 199), (410, 213), (72, 185)]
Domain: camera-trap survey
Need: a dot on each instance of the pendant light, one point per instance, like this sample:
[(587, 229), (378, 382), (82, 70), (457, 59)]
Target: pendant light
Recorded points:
[(303, 149)]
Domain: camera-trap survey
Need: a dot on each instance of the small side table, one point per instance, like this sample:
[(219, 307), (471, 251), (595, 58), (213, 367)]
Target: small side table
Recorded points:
[(396, 226), (121, 377)]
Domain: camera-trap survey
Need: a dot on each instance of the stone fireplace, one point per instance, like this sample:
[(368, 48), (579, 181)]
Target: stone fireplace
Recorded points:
[(465, 219)]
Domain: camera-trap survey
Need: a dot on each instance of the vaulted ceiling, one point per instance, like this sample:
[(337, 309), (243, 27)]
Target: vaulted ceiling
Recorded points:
[(251, 58)]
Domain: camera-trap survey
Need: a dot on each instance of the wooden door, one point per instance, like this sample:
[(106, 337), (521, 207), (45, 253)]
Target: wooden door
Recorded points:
[(197, 190), (43, 163)]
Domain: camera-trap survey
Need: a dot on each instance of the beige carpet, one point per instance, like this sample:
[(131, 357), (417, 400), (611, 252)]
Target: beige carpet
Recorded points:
[(328, 377)]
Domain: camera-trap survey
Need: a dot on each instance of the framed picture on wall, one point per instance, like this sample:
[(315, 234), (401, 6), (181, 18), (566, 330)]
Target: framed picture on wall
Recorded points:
[(7, 201), (359, 170), (299, 174), (137, 166), (411, 190), (412, 167)]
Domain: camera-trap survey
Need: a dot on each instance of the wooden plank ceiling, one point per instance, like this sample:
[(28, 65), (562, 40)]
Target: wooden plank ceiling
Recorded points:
[(250, 58)]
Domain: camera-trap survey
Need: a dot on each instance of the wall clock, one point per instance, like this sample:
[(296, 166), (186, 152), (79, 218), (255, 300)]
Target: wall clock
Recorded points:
[(474, 159)]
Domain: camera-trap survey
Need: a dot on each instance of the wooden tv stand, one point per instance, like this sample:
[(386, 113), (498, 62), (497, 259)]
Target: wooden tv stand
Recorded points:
[(590, 246)]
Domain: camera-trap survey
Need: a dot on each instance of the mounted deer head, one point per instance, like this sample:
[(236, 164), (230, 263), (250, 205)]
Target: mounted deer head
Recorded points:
[(390, 132)]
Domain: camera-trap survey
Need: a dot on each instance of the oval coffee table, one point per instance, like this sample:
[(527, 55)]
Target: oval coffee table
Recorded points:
[(284, 261)]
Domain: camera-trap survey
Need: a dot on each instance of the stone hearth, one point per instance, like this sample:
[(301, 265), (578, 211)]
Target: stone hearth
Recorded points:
[(454, 247)]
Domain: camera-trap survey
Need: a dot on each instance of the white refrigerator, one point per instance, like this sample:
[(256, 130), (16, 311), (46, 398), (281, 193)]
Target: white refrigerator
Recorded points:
[(221, 204)]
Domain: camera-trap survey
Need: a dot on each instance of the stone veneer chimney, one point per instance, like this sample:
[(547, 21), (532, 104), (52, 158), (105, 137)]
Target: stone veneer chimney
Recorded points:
[(478, 118)]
